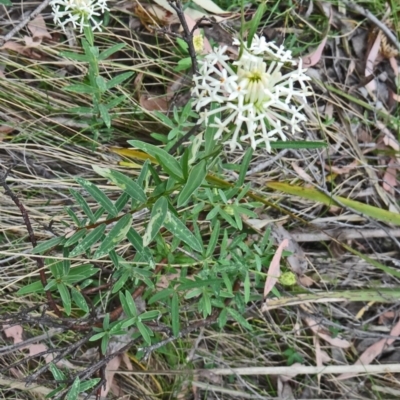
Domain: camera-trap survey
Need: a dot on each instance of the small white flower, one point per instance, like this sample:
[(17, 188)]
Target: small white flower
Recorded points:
[(80, 13), (255, 99)]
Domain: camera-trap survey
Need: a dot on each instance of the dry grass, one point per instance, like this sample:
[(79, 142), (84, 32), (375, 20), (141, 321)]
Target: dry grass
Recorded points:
[(48, 148)]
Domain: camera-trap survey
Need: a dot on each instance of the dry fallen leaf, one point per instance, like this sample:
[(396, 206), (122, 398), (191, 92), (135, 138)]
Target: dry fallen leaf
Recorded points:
[(323, 334), (274, 269), (300, 171), (342, 170), (390, 179), (371, 60), (38, 29), (153, 103), (373, 351)]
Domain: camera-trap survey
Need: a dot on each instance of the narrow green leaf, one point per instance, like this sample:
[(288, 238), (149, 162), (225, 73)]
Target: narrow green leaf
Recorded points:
[(161, 295), (74, 391), (213, 239), (79, 300), (149, 315), (75, 237), (298, 144), (157, 217), (80, 88), (238, 317), (93, 237), (85, 386), (48, 244), (247, 288), (198, 284), (97, 336), (144, 332), (58, 375), (244, 167), (117, 233), (164, 119), (83, 204), (131, 306), (110, 51), (75, 56), (33, 287), (168, 162), (180, 231), (105, 116), (196, 177), (255, 22), (210, 131), (127, 184), (119, 79), (98, 195), (65, 297), (104, 344), (315, 195), (175, 314)]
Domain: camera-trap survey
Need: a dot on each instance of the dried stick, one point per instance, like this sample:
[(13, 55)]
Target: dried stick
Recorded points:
[(39, 260), (24, 22), (367, 14)]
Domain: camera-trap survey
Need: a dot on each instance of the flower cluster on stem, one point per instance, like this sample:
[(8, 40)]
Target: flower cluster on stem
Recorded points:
[(255, 99), (81, 13)]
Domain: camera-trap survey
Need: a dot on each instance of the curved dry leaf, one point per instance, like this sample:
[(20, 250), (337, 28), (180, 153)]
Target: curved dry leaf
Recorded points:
[(323, 334), (371, 59), (38, 28), (274, 270), (390, 179), (373, 351), (153, 103), (311, 59), (210, 6)]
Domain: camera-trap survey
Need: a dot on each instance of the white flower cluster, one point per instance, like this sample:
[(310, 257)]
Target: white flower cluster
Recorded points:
[(79, 12), (249, 91)]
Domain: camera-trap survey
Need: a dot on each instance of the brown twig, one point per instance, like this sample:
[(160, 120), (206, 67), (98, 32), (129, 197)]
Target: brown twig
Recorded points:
[(32, 238), (25, 21), (371, 17)]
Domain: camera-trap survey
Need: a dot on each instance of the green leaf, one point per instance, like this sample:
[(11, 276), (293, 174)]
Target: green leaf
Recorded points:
[(157, 217), (117, 233), (213, 239), (119, 79), (149, 315), (93, 237), (144, 332), (183, 64), (105, 116), (180, 231), (104, 344), (164, 119), (65, 297), (74, 56), (196, 177), (298, 144), (255, 22), (128, 304), (48, 244), (101, 83), (75, 237), (98, 195), (79, 273), (80, 88), (317, 196), (85, 386), (161, 295), (127, 184), (79, 300), (33, 287), (168, 162), (175, 314), (115, 102), (244, 167), (83, 204), (58, 375), (246, 286), (198, 284), (97, 336), (74, 391), (210, 131), (110, 51), (238, 317)]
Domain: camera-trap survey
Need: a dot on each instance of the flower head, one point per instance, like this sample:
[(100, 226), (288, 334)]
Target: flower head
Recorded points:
[(79, 12), (253, 95)]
